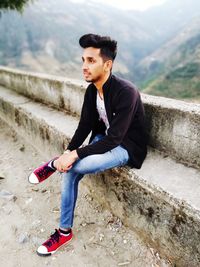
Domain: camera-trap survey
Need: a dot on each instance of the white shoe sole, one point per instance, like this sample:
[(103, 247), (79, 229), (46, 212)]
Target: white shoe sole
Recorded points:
[(50, 253)]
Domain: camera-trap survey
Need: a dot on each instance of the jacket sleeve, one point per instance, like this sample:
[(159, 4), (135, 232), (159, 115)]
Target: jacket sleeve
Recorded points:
[(85, 124), (125, 108)]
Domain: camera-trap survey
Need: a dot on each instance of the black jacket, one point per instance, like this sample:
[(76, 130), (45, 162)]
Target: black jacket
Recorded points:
[(125, 114)]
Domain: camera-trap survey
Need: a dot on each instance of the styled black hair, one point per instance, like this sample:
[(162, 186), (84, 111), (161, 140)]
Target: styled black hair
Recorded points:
[(108, 47)]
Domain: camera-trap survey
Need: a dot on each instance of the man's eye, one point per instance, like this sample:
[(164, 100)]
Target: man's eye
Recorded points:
[(91, 60)]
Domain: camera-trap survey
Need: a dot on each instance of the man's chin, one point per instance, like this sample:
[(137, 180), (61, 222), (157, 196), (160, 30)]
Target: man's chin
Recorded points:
[(88, 80)]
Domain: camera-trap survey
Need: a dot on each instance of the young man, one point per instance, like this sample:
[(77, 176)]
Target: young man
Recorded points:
[(113, 113)]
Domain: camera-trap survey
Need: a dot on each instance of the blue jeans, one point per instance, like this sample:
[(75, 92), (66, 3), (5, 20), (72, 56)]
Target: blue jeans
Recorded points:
[(90, 164)]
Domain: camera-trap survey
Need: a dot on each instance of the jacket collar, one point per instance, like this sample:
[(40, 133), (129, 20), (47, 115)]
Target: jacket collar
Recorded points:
[(107, 83)]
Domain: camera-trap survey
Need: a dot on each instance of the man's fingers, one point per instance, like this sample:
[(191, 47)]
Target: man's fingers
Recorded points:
[(68, 168), (60, 165)]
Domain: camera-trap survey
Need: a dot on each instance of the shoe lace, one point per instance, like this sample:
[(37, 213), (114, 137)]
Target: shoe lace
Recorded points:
[(44, 171), (53, 239)]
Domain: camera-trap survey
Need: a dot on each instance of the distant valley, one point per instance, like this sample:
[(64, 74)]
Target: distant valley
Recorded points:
[(158, 49)]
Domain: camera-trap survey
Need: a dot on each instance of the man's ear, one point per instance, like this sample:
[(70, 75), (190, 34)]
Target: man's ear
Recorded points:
[(108, 65)]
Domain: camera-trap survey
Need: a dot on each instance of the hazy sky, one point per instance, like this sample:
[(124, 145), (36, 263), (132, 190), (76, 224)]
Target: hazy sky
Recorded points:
[(128, 4)]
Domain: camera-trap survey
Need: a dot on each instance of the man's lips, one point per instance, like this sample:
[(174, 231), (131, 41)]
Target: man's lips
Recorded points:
[(86, 73)]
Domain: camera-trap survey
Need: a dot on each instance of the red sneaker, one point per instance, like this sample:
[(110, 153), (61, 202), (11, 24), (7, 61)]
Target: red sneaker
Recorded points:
[(42, 173), (56, 241)]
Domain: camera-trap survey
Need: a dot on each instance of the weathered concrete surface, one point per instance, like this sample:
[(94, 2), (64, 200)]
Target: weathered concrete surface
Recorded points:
[(168, 223), (42, 126), (165, 214), (59, 92), (173, 126)]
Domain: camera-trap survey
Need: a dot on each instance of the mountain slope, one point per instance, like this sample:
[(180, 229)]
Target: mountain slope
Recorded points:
[(174, 70), (50, 30), (45, 37), (165, 53), (180, 83)]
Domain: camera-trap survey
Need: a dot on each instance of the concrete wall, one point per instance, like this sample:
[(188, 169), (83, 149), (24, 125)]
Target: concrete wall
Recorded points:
[(173, 126), (48, 89), (160, 220)]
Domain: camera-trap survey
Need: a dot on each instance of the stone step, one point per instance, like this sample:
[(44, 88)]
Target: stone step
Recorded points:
[(159, 201), (46, 128)]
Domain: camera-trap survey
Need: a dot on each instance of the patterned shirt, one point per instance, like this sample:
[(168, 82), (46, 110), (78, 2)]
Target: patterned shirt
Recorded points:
[(102, 111)]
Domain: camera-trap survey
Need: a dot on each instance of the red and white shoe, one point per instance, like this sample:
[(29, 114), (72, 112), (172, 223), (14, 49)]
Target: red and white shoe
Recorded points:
[(56, 241), (42, 173)]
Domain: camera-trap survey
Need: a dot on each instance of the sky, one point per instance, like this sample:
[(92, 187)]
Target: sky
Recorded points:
[(128, 4)]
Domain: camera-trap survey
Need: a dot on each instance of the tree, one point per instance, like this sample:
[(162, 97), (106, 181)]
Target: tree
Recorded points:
[(13, 4)]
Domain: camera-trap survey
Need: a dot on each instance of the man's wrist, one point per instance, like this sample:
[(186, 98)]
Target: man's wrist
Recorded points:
[(67, 151), (75, 155)]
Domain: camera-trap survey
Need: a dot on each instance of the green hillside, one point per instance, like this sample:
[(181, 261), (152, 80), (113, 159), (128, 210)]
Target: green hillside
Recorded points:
[(177, 73), (181, 83)]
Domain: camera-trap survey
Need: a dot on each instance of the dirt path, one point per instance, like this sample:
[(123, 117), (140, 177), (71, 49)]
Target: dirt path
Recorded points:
[(30, 213)]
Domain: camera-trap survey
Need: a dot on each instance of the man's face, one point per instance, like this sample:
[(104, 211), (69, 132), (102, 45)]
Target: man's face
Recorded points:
[(94, 68)]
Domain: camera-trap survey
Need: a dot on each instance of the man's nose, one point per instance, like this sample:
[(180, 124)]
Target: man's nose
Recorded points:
[(84, 66)]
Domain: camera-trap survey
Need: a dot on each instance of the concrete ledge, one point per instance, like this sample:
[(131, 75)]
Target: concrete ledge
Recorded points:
[(169, 221), (59, 92), (173, 126), (42, 126)]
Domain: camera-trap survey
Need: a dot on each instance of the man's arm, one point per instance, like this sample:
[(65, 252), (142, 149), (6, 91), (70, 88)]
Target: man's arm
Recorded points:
[(65, 161), (84, 126)]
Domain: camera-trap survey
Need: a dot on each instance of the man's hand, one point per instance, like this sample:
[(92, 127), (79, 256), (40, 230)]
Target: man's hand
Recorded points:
[(65, 161)]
